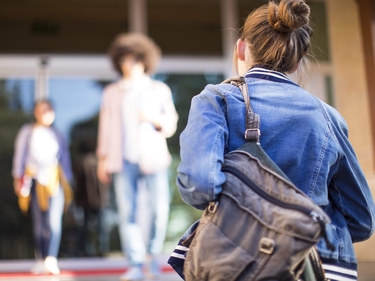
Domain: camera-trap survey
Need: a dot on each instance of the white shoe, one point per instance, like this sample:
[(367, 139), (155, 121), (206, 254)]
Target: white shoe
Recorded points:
[(50, 264), (39, 268), (134, 273)]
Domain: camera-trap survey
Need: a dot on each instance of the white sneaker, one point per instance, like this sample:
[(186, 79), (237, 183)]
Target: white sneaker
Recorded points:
[(134, 273), (39, 268), (51, 265)]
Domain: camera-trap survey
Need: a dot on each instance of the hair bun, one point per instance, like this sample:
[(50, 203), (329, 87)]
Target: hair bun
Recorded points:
[(288, 15)]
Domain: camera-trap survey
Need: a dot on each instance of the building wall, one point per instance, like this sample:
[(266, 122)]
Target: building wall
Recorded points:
[(345, 60), (351, 93)]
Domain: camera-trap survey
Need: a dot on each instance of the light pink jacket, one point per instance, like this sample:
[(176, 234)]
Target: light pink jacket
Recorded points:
[(110, 131)]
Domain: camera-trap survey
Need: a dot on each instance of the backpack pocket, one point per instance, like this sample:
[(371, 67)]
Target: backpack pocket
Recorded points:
[(229, 262)]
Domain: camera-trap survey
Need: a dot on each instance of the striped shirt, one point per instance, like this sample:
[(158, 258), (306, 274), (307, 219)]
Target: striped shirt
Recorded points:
[(339, 271), (334, 270)]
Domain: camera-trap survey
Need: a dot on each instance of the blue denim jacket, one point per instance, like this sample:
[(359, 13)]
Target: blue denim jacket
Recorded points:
[(305, 137)]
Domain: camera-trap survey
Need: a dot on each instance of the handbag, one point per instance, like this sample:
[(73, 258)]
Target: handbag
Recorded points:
[(154, 155), (261, 227)]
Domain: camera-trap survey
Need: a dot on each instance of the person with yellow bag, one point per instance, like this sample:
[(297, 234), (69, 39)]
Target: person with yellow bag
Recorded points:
[(42, 172)]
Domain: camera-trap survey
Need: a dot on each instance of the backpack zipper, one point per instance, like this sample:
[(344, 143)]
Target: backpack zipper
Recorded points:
[(311, 213), (265, 195)]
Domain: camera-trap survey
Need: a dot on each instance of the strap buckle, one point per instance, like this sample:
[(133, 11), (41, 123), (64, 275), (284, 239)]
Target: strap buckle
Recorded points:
[(252, 135), (266, 245)]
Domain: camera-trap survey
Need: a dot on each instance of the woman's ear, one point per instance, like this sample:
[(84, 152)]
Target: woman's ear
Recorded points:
[(241, 48), (294, 68)]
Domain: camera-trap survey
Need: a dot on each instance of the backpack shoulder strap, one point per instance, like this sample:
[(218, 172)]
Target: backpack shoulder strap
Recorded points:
[(252, 132)]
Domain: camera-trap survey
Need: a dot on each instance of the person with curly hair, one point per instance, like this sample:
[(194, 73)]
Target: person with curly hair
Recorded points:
[(136, 116)]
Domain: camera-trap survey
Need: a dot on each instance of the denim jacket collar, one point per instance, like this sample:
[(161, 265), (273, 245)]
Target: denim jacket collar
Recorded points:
[(260, 72)]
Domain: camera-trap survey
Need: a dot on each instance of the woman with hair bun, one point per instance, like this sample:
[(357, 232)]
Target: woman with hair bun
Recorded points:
[(305, 137)]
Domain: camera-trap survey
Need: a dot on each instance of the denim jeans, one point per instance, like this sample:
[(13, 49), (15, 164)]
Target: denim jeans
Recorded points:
[(126, 191), (47, 225)]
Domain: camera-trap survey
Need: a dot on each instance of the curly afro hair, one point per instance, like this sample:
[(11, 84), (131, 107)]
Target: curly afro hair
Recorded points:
[(137, 44)]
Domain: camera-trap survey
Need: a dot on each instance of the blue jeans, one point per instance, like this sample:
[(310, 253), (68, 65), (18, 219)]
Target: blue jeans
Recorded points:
[(126, 191), (47, 225)]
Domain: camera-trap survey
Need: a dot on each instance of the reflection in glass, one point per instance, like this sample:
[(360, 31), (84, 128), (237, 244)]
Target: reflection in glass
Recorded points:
[(18, 94), (74, 100), (16, 103), (184, 87), (77, 102)]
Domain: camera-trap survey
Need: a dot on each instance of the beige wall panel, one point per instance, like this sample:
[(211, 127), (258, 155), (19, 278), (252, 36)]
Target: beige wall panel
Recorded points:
[(349, 76), (350, 89)]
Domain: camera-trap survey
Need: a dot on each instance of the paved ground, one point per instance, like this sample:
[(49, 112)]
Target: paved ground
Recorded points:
[(164, 277), (109, 269), (80, 269)]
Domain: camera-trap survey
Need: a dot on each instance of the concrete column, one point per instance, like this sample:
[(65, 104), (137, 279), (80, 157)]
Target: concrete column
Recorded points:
[(349, 76), (138, 16), (367, 19), (229, 25), (351, 91), (41, 85)]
